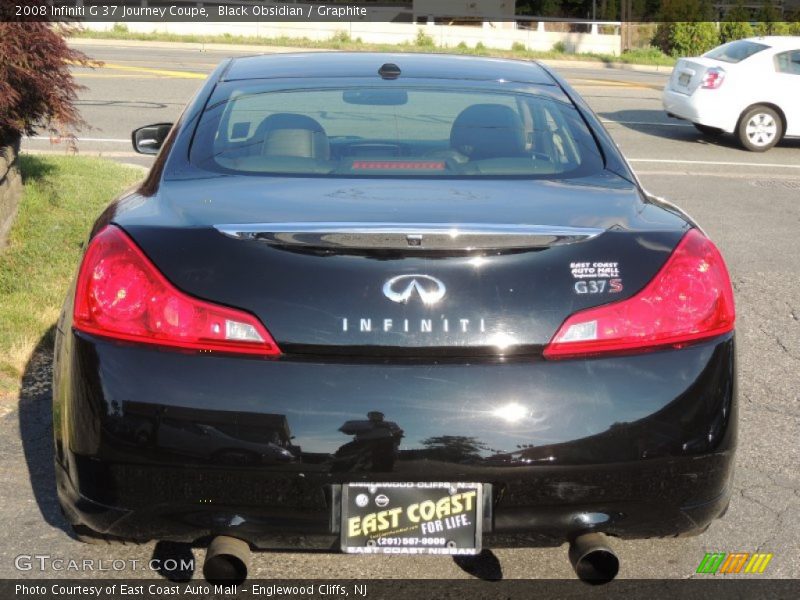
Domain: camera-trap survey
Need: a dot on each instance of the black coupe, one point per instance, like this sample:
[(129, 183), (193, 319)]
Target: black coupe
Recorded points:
[(393, 303)]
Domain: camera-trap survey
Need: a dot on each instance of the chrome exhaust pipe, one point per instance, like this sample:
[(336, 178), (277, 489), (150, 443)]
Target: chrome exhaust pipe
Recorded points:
[(226, 561), (593, 559)]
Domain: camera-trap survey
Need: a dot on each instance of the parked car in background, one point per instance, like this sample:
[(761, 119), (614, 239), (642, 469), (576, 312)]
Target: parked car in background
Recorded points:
[(750, 88)]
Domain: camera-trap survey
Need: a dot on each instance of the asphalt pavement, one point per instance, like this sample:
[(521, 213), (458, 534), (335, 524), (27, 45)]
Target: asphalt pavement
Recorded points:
[(748, 203)]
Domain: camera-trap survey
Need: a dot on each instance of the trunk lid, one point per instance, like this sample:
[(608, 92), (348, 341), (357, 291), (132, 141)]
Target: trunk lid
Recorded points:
[(405, 268), (689, 72)]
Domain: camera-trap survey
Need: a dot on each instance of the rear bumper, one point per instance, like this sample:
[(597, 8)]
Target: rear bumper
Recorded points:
[(538, 506), (701, 107), (162, 445)]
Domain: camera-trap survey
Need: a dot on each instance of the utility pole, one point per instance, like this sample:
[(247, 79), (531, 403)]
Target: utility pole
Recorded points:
[(626, 15)]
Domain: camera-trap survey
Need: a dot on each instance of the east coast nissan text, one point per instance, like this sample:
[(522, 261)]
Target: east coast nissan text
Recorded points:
[(393, 304)]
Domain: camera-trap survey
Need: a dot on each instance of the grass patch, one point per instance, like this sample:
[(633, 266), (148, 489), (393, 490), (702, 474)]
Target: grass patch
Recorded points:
[(647, 56), (62, 197), (423, 43)]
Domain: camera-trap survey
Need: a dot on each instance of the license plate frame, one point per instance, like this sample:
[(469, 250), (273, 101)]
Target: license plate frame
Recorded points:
[(450, 522)]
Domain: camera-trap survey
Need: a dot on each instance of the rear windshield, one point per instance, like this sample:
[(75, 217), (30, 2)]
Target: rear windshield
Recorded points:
[(735, 52), (392, 131)]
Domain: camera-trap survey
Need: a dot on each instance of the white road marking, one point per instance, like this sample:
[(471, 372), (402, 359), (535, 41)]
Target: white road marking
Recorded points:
[(723, 174), (647, 123), (670, 161)]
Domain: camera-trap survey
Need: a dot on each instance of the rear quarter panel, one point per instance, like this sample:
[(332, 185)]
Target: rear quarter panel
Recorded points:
[(751, 82)]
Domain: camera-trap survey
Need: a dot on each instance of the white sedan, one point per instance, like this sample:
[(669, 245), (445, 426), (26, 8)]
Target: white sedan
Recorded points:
[(750, 88)]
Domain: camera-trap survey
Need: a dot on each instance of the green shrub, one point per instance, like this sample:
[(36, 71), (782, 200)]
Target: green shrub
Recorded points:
[(687, 38), (119, 28), (424, 40), (340, 37), (560, 48), (519, 47), (774, 28)]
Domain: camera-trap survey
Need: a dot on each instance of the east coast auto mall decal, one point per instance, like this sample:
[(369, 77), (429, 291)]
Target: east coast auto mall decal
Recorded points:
[(596, 277), (411, 518)]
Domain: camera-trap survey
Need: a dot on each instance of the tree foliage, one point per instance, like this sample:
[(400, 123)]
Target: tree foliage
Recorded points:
[(736, 25), (686, 28), (768, 15), (37, 89), (730, 31)]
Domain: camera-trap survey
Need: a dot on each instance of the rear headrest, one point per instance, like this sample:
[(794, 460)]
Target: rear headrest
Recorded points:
[(488, 131), (288, 134)]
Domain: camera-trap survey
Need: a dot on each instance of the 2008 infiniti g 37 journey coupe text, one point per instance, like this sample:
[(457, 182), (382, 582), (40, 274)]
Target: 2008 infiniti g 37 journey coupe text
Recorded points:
[(393, 304)]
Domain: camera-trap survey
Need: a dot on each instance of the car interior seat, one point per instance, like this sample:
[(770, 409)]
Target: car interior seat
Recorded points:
[(485, 131), (293, 135)]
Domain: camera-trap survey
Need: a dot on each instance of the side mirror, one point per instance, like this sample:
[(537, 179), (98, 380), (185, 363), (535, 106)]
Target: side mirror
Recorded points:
[(148, 139)]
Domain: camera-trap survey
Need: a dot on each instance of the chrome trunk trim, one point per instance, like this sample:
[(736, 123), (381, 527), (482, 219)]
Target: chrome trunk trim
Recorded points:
[(409, 236)]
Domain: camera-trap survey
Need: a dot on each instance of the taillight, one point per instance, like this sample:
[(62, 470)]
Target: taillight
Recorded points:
[(120, 294), (690, 299), (713, 78)]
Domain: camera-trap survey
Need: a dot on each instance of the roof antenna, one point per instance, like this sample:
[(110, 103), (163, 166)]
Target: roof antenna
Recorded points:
[(389, 71)]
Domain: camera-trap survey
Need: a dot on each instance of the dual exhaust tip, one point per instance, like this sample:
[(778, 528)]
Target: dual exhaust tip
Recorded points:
[(592, 558), (227, 560)]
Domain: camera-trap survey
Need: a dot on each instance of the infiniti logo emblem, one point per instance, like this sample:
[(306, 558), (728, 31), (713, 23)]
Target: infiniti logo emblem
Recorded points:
[(402, 288)]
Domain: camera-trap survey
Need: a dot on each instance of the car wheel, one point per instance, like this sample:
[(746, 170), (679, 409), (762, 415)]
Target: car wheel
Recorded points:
[(760, 128), (706, 130)]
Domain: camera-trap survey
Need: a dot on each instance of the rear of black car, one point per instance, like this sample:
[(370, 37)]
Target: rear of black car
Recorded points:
[(442, 292)]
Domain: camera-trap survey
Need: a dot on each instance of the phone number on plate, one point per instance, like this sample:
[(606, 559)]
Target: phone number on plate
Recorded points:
[(396, 541)]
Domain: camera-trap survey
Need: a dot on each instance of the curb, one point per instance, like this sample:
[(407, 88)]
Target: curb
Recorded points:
[(258, 49), (599, 64)]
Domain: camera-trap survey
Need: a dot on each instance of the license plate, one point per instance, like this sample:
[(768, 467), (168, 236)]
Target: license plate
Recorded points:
[(412, 518), (684, 79)]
